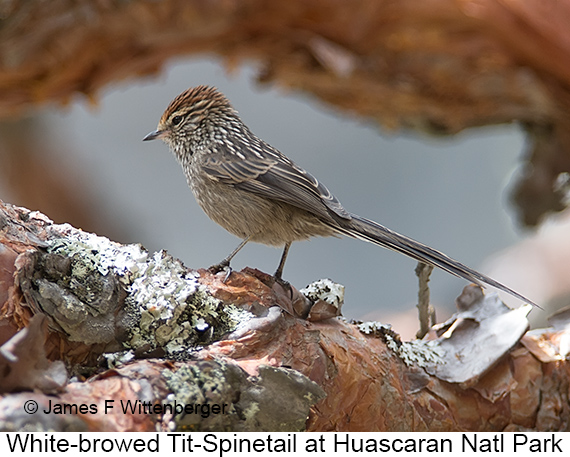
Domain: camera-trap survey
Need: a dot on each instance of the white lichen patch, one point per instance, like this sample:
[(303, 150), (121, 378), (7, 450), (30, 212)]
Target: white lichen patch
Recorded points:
[(250, 412), (161, 290), (166, 307), (416, 352), (326, 290), (116, 359), (195, 385), (421, 353), (175, 311), (99, 253), (238, 316), (372, 327)]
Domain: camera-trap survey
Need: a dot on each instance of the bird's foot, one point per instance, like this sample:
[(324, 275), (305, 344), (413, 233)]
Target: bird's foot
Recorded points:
[(224, 265), (285, 284)]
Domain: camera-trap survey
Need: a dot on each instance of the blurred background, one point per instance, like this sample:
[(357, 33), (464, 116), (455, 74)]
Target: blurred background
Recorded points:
[(355, 115)]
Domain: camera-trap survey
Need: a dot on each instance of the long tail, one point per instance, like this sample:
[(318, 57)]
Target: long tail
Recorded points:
[(367, 230)]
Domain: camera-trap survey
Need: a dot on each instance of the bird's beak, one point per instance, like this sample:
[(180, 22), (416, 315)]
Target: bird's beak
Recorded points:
[(154, 135)]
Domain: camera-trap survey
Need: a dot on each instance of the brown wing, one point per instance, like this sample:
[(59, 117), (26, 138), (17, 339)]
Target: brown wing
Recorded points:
[(272, 175)]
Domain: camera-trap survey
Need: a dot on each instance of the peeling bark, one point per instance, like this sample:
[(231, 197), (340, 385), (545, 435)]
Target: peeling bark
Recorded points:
[(273, 370)]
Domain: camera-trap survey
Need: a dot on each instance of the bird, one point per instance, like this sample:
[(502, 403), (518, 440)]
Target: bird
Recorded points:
[(258, 194)]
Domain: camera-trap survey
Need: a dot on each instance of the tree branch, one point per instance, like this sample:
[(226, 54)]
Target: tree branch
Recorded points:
[(142, 327)]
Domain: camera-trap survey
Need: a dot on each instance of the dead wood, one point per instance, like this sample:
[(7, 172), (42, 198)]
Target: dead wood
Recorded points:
[(142, 329)]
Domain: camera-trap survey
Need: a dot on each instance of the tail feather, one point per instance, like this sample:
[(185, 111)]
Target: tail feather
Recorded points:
[(367, 230)]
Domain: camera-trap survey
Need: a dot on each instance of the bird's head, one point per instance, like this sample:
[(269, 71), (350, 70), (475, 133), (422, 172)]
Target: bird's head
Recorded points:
[(193, 117)]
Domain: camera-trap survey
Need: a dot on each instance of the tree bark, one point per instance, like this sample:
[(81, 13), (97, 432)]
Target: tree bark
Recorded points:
[(145, 330)]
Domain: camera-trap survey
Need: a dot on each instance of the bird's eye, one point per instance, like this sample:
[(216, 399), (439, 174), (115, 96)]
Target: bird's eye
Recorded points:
[(176, 120)]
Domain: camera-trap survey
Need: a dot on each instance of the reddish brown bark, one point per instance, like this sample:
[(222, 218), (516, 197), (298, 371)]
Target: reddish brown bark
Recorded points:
[(366, 386)]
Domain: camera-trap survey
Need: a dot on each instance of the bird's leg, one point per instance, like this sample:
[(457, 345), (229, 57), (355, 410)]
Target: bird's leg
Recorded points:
[(279, 272), (278, 276), (226, 262)]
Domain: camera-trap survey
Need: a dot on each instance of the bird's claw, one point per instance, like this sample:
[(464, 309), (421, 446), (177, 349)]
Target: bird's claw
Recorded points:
[(223, 265), (228, 273)]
